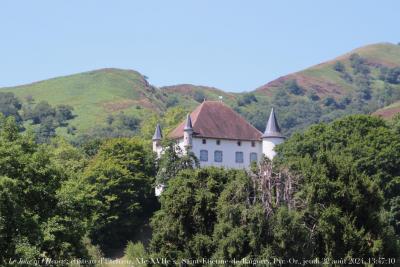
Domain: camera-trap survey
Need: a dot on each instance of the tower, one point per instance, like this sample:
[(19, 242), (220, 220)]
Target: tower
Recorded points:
[(271, 137), (187, 134), (157, 140)]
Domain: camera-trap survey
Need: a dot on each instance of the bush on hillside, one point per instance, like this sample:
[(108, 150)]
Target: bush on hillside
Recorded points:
[(339, 66), (10, 106), (292, 87), (199, 96)]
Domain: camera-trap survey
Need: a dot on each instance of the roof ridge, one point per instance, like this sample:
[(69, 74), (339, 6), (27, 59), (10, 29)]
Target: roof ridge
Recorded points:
[(216, 119), (237, 113)]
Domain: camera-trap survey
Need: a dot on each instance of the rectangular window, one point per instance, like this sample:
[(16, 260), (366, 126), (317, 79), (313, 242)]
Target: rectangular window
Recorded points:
[(239, 157), (253, 157), (253, 143), (239, 143), (204, 141), (218, 156), (203, 155), (218, 142)]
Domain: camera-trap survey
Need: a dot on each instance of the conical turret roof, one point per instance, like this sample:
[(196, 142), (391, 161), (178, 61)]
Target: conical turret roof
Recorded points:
[(272, 129), (158, 133), (188, 123)]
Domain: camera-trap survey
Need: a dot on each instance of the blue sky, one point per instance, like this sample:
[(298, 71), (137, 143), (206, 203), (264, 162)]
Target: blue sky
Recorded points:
[(229, 44)]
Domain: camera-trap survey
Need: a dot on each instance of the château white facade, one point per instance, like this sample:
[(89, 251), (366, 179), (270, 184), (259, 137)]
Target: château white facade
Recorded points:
[(220, 137)]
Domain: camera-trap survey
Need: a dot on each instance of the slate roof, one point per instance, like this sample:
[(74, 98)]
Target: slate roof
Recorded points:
[(158, 133), (213, 119), (188, 125), (272, 129)]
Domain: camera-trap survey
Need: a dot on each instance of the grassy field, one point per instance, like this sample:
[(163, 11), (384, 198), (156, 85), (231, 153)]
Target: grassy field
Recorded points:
[(389, 111), (95, 94)]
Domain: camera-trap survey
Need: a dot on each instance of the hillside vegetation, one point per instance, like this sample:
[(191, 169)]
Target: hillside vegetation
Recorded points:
[(96, 94), (389, 111), (361, 81)]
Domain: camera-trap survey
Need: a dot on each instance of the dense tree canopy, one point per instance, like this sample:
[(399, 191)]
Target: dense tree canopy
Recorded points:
[(34, 222), (351, 170), (119, 182)]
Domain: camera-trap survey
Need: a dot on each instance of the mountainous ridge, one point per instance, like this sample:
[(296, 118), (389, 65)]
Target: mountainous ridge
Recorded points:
[(331, 83), (96, 94)]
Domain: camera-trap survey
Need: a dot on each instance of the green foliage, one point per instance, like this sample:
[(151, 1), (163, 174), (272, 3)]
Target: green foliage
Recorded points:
[(118, 183), (292, 87), (33, 220), (312, 95), (393, 76), (48, 119), (199, 96), (134, 252), (281, 99), (396, 123), (351, 171), (10, 105), (96, 94), (120, 125), (339, 66), (172, 162), (358, 64), (172, 101), (330, 101), (246, 99), (221, 214), (183, 226)]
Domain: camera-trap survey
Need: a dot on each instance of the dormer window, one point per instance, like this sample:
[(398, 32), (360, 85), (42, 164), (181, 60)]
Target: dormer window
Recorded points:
[(239, 143), (204, 141), (218, 142)]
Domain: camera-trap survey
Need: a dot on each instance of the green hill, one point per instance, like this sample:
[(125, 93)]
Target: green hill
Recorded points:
[(325, 80), (361, 81), (357, 82), (95, 94), (390, 111)]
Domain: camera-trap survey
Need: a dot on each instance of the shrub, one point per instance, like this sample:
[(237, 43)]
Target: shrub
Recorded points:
[(339, 66)]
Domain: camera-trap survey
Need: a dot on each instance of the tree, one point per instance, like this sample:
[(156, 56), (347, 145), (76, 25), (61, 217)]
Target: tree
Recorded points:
[(45, 131), (10, 105), (246, 99), (34, 223), (173, 161), (199, 96), (339, 66), (393, 76), (281, 98), (350, 169), (292, 87), (134, 252), (330, 102), (172, 101), (40, 112), (359, 65), (312, 95), (63, 114), (182, 228), (217, 213), (258, 216), (119, 183)]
